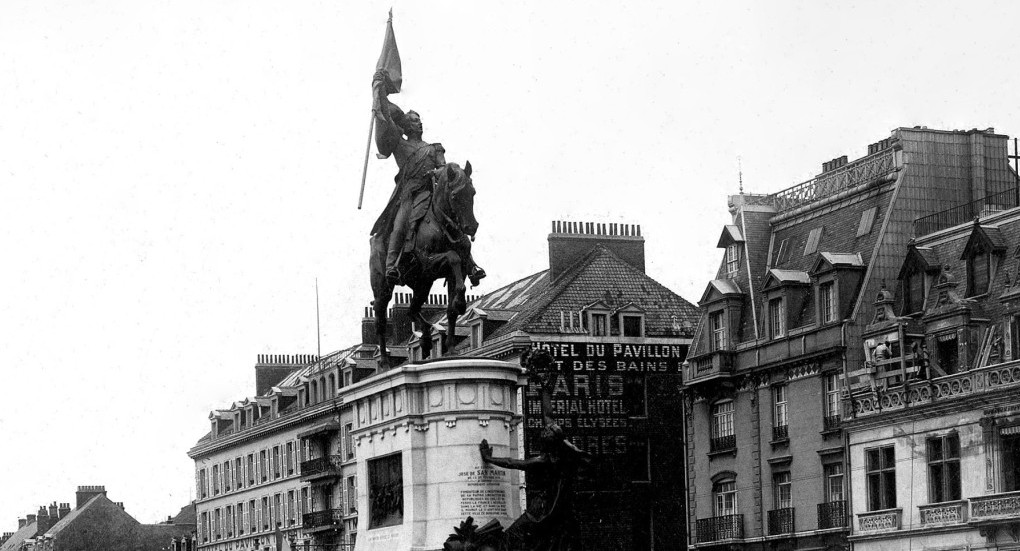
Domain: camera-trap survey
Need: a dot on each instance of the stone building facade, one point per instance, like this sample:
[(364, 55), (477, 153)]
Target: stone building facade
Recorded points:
[(935, 428), (781, 336), (279, 467)]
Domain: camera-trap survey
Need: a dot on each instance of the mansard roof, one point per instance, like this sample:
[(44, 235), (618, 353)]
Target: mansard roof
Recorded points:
[(924, 259)]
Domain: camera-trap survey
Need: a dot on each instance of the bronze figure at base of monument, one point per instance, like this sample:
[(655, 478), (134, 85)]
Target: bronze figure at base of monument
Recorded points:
[(548, 523)]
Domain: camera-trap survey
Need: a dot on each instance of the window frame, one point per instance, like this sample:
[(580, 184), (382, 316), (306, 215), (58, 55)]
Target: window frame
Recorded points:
[(880, 477), (782, 490), (777, 317), (724, 498), (830, 478), (732, 258), (942, 485), (828, 304), (717, 339), (984, 257)]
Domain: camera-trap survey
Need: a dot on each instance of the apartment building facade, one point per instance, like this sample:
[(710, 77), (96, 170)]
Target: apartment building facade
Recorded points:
[(782, 327), (935, 429), (280, 466)]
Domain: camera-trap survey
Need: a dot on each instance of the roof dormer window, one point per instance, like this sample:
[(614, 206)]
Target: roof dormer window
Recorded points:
[(984, 244), (777, 318), (979, 267), (732, 258)]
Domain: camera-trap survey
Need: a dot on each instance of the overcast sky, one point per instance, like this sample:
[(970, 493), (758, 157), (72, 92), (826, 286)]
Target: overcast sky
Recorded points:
[(174, 175)]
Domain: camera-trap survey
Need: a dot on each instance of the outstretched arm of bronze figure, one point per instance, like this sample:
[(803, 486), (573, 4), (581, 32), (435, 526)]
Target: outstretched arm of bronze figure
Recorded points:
[(387, 133), (506, 462)]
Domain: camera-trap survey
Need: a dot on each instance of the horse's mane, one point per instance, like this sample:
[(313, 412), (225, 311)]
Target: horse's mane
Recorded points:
[(459, 182)]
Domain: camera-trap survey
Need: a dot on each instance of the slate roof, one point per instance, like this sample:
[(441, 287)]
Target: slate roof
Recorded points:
[(533, 304), (19, 537), (329, 360), (790, 276), (843, 259), (730, 234)]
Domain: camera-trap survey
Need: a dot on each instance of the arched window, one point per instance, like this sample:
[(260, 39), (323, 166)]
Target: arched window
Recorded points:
[(322, 389), (315, 392), (332, 385)]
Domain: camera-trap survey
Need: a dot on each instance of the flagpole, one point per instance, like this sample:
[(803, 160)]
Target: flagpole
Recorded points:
[(318, 331), (368, 149)]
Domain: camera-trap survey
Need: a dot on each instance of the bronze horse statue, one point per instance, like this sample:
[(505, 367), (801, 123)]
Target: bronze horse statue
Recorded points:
[(441, 246)]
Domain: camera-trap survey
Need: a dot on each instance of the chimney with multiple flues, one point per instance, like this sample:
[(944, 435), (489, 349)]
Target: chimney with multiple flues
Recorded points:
[(398, 323), (270, 369), (571, 241), (86, 493)]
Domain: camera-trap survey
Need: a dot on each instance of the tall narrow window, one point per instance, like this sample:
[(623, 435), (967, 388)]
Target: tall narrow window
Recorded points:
[(238, 473), (253, 525), (263, 468), (832, 401), (781, 490), (913, 293), (723, 437), (827, 301), (203, 483), (599, 325), (291, 516), (352, 495), (732, 258), (718, 325), (944, 468), (978, 270), (725, 498), (251, 469), (290, 458), (242, 518), (216, 480), (777, 323), (226, 476), (834, 482), (780, 409), (476, 335), (880, 464), (348, 440)]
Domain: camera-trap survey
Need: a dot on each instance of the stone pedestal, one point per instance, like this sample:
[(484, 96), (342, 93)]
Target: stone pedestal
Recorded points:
[(424, 421)]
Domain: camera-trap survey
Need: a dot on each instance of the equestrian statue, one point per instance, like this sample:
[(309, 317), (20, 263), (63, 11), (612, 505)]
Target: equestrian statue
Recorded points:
[(425, 231)]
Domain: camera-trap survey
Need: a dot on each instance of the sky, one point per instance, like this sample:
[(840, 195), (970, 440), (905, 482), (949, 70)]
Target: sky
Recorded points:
[(175, 176)]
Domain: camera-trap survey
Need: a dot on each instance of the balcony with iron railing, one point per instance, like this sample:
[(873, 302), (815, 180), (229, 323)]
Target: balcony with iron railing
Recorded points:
[(327, 518), (832, 422), (720, 444), (967, 212), (833, 514), (781, 521), (320, 467), (780, 433), (721, 528)]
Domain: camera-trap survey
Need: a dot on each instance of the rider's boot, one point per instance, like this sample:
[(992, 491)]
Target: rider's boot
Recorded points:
[(476, 275)]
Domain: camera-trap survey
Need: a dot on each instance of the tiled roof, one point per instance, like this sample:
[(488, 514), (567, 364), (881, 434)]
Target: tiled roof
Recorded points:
[(95, 501), (600, 275), (19, 537)]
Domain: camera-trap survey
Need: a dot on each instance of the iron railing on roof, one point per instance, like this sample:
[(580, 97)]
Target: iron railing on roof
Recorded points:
[(966, 212), (861, 171)]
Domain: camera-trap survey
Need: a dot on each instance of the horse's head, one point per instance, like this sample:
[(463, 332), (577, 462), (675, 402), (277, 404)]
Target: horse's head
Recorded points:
[(455, 183)]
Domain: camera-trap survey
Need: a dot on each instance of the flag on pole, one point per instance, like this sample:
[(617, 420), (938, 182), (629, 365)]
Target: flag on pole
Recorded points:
[(389, 59)]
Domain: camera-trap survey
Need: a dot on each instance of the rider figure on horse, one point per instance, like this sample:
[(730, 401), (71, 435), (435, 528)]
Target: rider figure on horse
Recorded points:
[(416, 160)]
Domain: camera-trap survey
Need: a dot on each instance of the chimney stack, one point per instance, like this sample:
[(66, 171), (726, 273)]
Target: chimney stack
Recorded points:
[(29, 519), (43, 521), (85, 493), (53, 510), (65, 508), (270, 369), (5, 537), (571, 241), (21, 523)]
